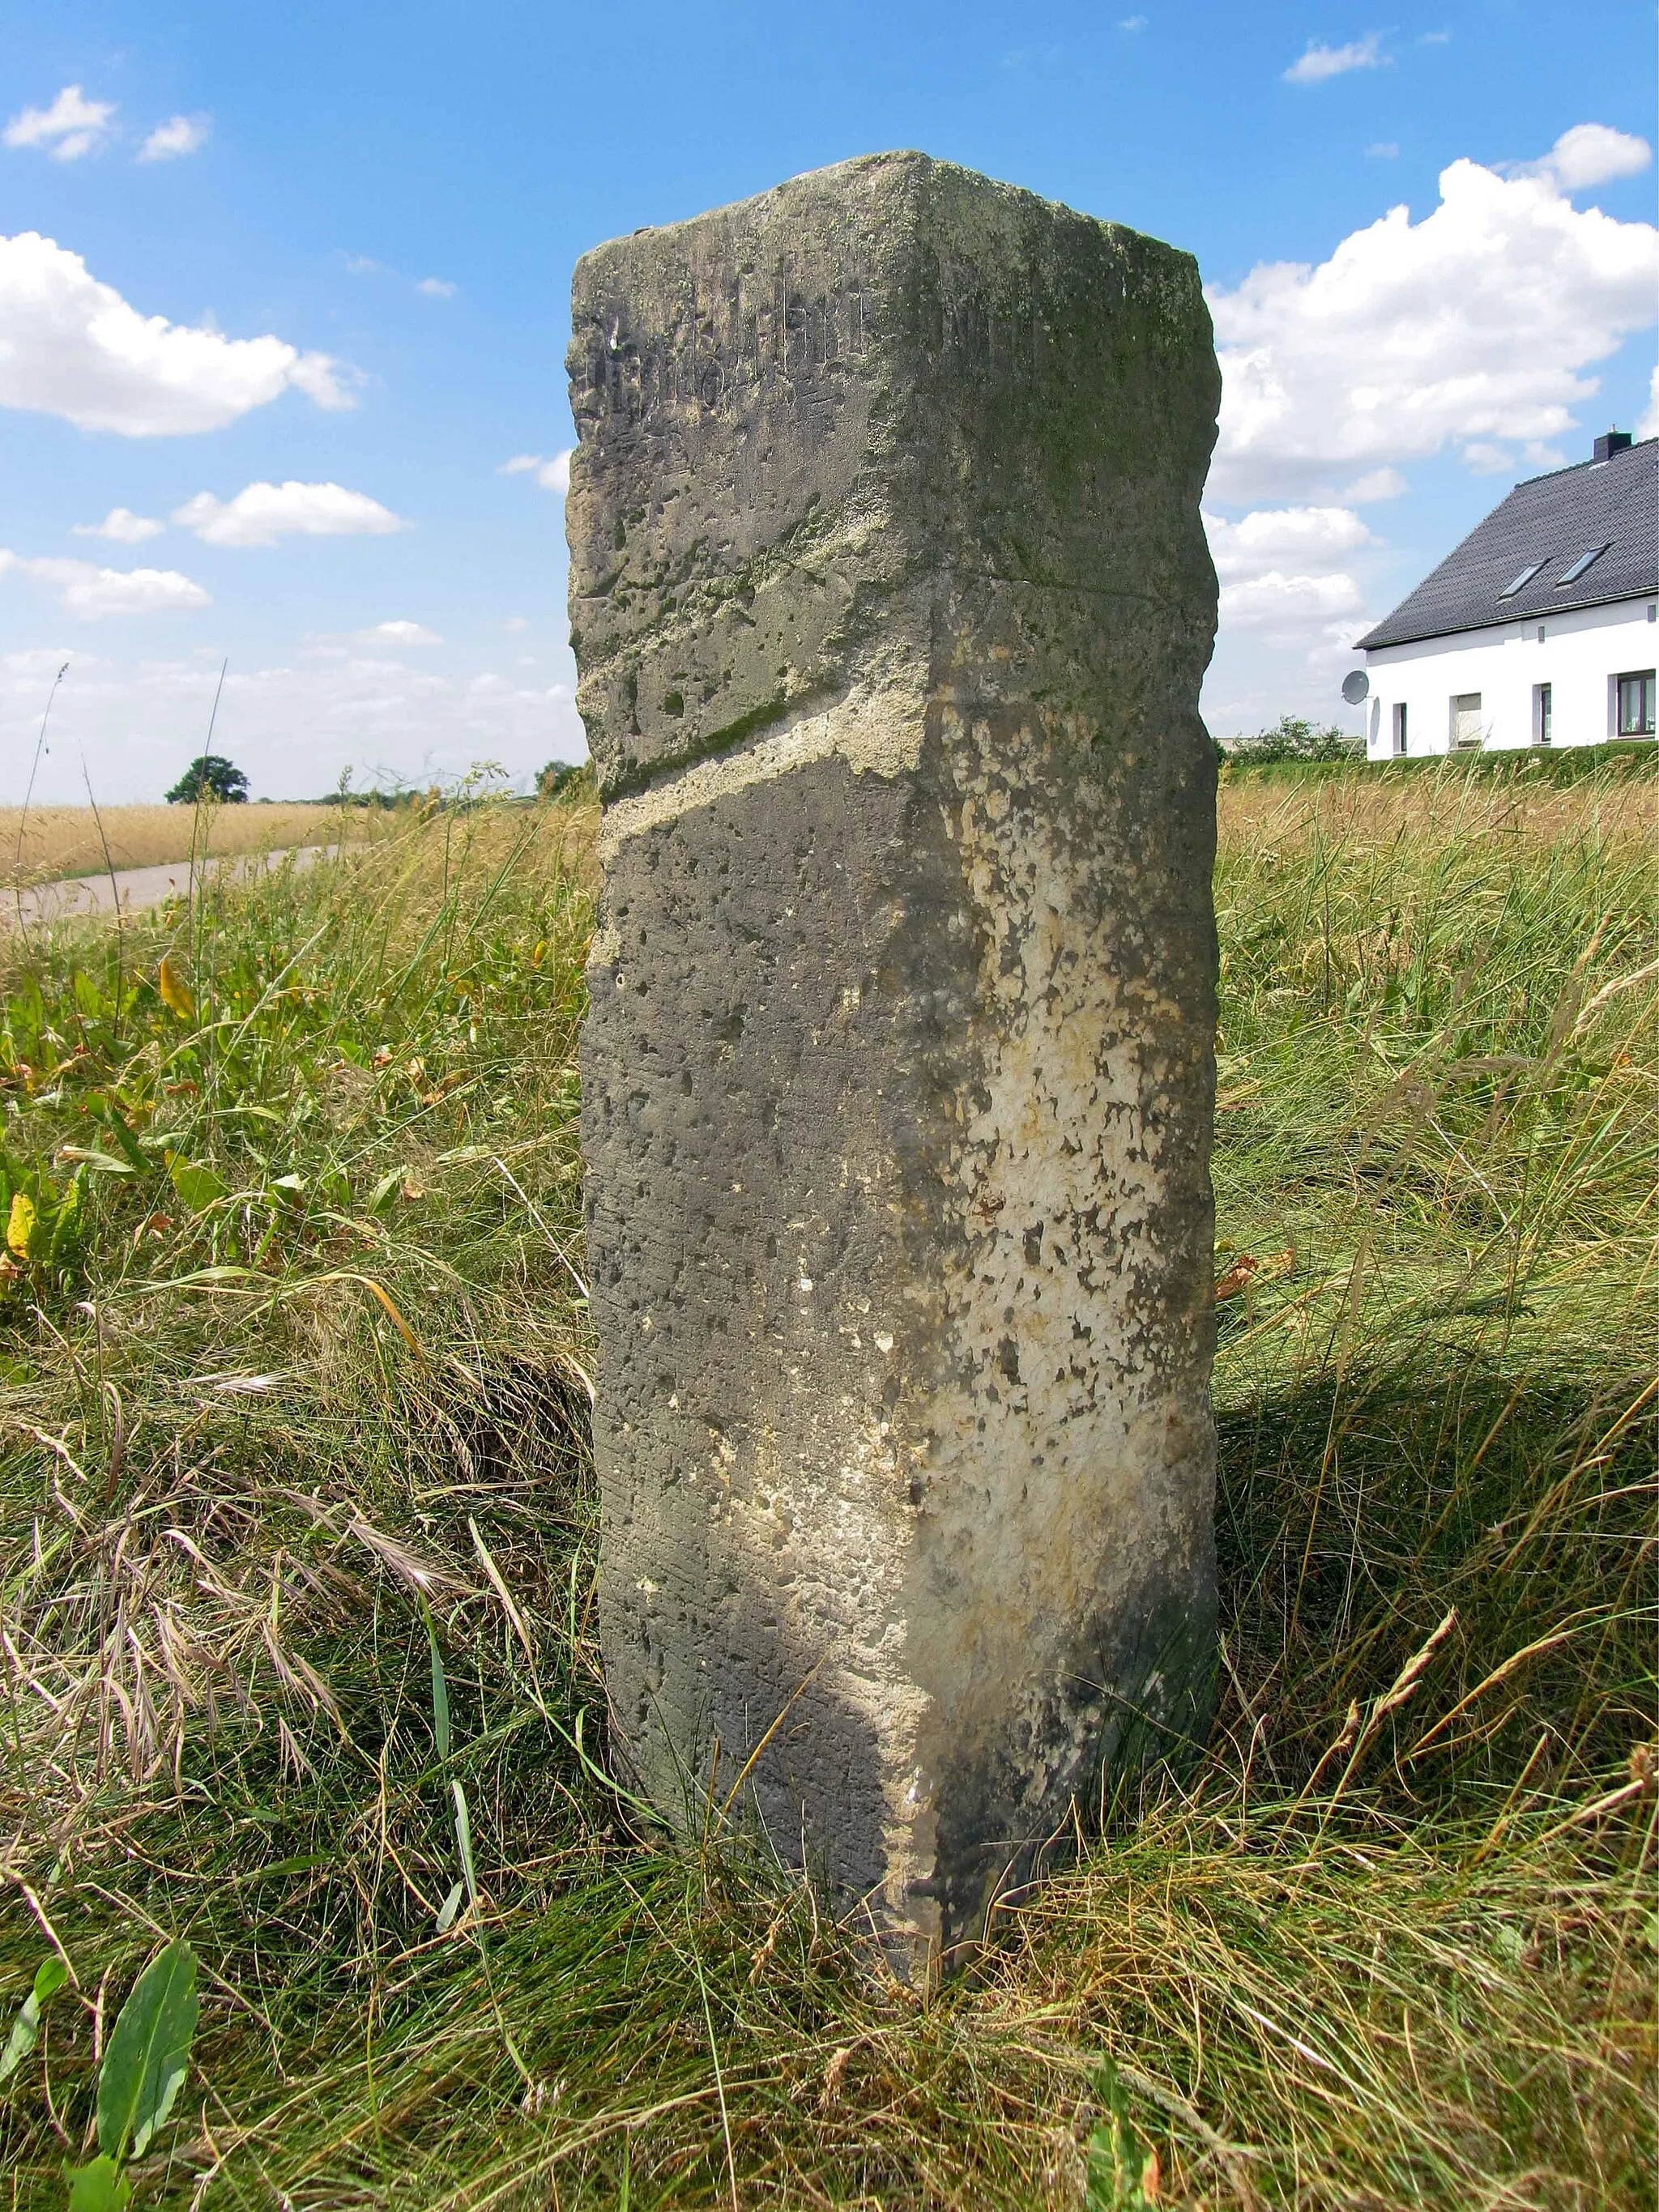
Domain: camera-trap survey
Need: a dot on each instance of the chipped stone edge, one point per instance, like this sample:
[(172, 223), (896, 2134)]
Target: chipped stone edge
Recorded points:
[(875, 732)]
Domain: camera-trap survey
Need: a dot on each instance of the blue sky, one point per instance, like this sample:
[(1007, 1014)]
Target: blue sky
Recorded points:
[(296, 176)]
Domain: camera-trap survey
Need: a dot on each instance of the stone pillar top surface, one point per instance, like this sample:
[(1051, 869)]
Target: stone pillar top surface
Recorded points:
[(819, 398)]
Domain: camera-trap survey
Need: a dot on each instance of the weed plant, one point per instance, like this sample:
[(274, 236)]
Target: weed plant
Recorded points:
[(296, 1545)]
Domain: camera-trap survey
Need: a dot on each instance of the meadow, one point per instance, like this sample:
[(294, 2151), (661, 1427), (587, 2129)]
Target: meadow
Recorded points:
[(297, 1542)]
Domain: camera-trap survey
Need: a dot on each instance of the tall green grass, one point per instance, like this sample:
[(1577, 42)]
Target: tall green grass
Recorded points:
[(294, 1486)]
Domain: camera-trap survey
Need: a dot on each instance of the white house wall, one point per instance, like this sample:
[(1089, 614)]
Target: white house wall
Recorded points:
[(1579, 654)]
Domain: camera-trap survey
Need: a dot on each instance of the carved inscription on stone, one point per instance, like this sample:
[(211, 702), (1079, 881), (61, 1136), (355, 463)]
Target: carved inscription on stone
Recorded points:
[(753, 336)]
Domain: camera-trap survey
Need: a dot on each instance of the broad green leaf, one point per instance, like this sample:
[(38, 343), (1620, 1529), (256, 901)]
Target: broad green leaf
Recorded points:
[(386, 1190), (65, 1225), (450, 1906), (149, 2050), (26, 2028), (115, 1123), (197, 1186), (100, 1163), (100, 2187)]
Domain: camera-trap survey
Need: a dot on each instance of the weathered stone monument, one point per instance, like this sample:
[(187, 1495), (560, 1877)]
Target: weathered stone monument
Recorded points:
[(891, 603)]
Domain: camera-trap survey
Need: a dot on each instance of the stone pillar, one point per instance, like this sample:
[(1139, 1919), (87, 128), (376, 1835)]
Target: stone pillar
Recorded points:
[(891, 603)]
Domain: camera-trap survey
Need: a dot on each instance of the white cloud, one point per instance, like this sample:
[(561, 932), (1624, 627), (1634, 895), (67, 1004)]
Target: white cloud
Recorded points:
[(1322, 61), (429, 288), (1434, 38), (1131, 22), (71, 126), (74, 348), (1282, 571), (1477, 329), (1593, 154), (122, 526), (264, 513), (90, 592), (1475, 325), (1270, 535), (292, 729), (399, 633), (1286, 606), (552, 474), (1483, 459), (1386, 149), (178, 136), (1375, 484), (1648, 425), (513, 623)]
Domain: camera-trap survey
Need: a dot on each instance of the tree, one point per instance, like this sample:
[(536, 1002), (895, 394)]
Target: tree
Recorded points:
[(566, 779), (210, 776), (1292, 739)]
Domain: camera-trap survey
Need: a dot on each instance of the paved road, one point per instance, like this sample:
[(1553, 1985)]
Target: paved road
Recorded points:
[(139, 887)]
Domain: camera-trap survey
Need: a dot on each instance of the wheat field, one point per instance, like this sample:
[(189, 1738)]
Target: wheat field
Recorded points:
[(52, 843)]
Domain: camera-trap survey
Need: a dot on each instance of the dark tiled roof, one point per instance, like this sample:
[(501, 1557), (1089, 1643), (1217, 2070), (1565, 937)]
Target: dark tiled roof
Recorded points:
[(1554, 519)]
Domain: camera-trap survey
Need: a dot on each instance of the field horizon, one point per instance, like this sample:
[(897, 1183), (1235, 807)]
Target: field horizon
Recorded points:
[(49, 844)]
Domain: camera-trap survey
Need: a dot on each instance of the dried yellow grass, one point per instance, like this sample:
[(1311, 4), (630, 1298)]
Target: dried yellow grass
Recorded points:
[(1370, 809), (63, 841)]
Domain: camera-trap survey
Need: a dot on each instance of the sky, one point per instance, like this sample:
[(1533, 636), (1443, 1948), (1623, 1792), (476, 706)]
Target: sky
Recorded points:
[(284, 301)]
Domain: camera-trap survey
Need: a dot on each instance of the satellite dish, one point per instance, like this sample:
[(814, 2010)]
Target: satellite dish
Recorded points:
[(1356, 686)]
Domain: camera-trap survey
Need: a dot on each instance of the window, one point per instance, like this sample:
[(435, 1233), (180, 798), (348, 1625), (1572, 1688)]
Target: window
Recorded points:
[(1542, 715), (1465, 718), (1636, 704), (1397, 727), (1524, 579), (1579, 566)]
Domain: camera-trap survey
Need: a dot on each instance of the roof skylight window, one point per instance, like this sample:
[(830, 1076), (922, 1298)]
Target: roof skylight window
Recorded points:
[(1579, 566), (1524, 579)]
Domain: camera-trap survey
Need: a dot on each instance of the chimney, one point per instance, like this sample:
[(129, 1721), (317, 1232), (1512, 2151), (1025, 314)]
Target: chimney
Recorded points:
[(1611, 442)]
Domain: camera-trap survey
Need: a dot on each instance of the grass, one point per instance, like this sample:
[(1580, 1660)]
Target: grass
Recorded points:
[(302, 1367), (1505, 764), (52, 843)]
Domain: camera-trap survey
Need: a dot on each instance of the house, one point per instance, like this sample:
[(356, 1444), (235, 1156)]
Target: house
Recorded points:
[(1538, 630)]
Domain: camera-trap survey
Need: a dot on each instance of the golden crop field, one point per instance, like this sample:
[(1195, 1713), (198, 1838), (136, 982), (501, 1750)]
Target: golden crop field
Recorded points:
[(64, 841)]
